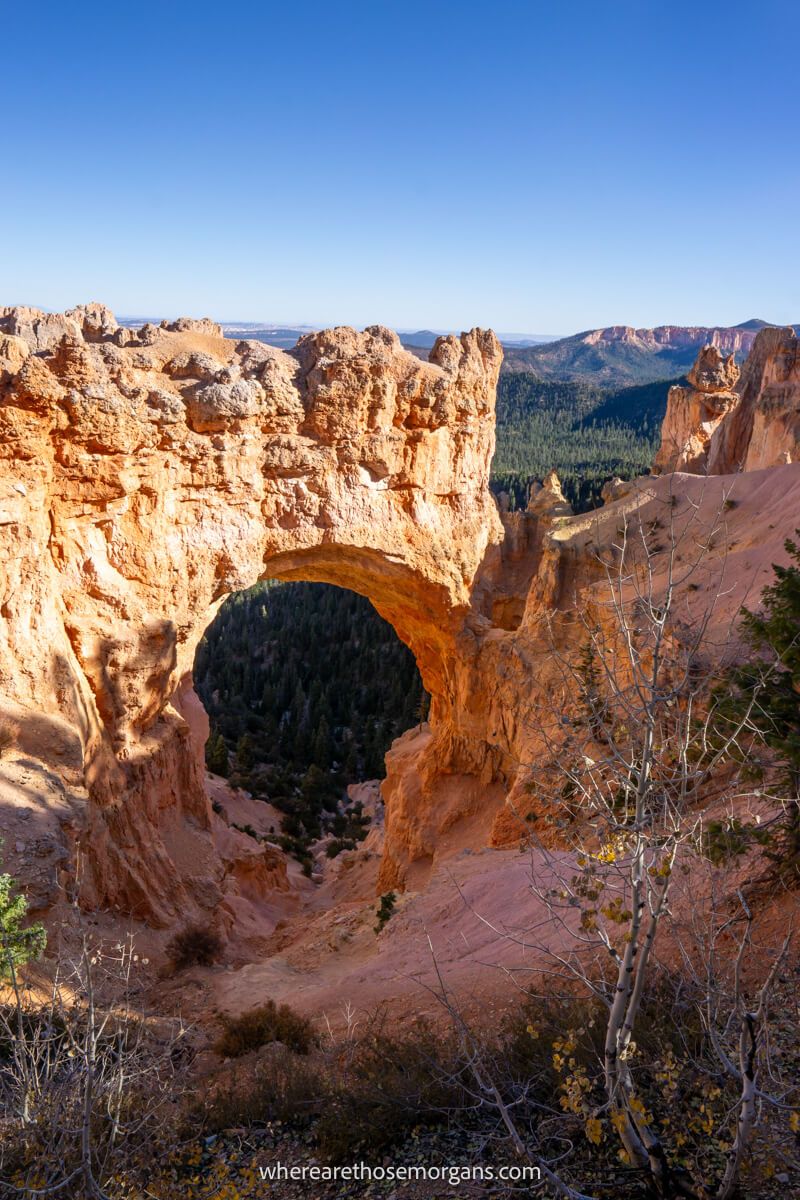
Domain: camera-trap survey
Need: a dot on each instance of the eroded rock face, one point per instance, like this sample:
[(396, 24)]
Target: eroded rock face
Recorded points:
[(148, 474), (725, 422), (695, 412), (764, 428)]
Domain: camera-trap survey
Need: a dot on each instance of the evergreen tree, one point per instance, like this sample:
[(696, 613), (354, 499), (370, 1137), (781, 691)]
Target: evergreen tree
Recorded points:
[(318, 792), (245, 755), (217, 754), (19, 943), (774, 701), (592, 703), (322, 744)]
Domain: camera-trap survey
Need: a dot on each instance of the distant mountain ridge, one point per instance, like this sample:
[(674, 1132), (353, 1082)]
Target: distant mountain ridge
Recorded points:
[(620, 354)]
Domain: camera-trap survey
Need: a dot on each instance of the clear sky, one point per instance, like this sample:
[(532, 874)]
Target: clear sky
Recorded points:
[(534, 167)]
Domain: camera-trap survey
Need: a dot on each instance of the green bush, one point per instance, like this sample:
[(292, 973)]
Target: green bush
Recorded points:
[(217, 754), (385, 910), (248, 829), (337, 845), (19, 943), (764, 690), (723, 840)]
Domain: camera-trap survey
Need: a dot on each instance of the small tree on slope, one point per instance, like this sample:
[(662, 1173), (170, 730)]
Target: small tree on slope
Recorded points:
[(773, 706), (19, 943)]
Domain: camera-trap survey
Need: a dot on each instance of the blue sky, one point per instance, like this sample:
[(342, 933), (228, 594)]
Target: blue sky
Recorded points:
[(540, 168)]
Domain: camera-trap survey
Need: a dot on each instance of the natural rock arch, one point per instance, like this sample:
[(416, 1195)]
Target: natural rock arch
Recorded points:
[(149, 474)]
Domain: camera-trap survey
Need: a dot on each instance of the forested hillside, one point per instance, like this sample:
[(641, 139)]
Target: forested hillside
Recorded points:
[(587, 434), (307, 687)]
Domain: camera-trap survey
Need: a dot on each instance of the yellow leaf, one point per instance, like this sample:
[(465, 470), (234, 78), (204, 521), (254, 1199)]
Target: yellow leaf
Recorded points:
[(594, 1130)]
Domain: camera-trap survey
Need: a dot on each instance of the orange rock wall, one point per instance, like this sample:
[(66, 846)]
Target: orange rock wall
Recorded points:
[(725, 421), (147, 474)]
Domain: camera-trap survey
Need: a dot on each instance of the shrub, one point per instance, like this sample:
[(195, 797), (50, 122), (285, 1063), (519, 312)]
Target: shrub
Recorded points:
[(392, 1085), (282, 1087), (248, 829), (194, 945), (217, 754), (385, 909), (363, 1094), (298, 848), (337, 845), (724, 840), (268, 1023), (19, 943)]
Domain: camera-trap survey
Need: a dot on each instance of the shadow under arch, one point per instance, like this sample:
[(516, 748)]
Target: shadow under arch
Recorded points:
[(418, 610)]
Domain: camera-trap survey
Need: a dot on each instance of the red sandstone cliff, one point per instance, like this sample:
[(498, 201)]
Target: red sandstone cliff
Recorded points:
[(728, 340)]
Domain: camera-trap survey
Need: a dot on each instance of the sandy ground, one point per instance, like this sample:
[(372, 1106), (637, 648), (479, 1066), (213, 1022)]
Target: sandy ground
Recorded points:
[(335, 961), (478, 926)]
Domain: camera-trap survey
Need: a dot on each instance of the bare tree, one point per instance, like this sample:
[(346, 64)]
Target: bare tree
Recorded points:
[(715, 946), (633, 742), (85, 1086)]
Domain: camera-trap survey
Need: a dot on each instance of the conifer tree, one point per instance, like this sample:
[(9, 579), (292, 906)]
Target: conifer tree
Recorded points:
[(245, 756), (217, 754), (321, 753), (19, 943), (774, 635)]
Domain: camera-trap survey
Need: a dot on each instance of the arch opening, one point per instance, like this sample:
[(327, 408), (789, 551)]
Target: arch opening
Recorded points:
[(305, 686)]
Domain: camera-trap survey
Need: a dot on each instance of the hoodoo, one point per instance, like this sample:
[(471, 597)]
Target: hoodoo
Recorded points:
[(727, 420)]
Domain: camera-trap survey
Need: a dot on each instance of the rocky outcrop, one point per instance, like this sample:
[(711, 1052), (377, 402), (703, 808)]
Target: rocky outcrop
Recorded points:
[(694, 412), (725, 421), (763, 430), (145, 477)]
